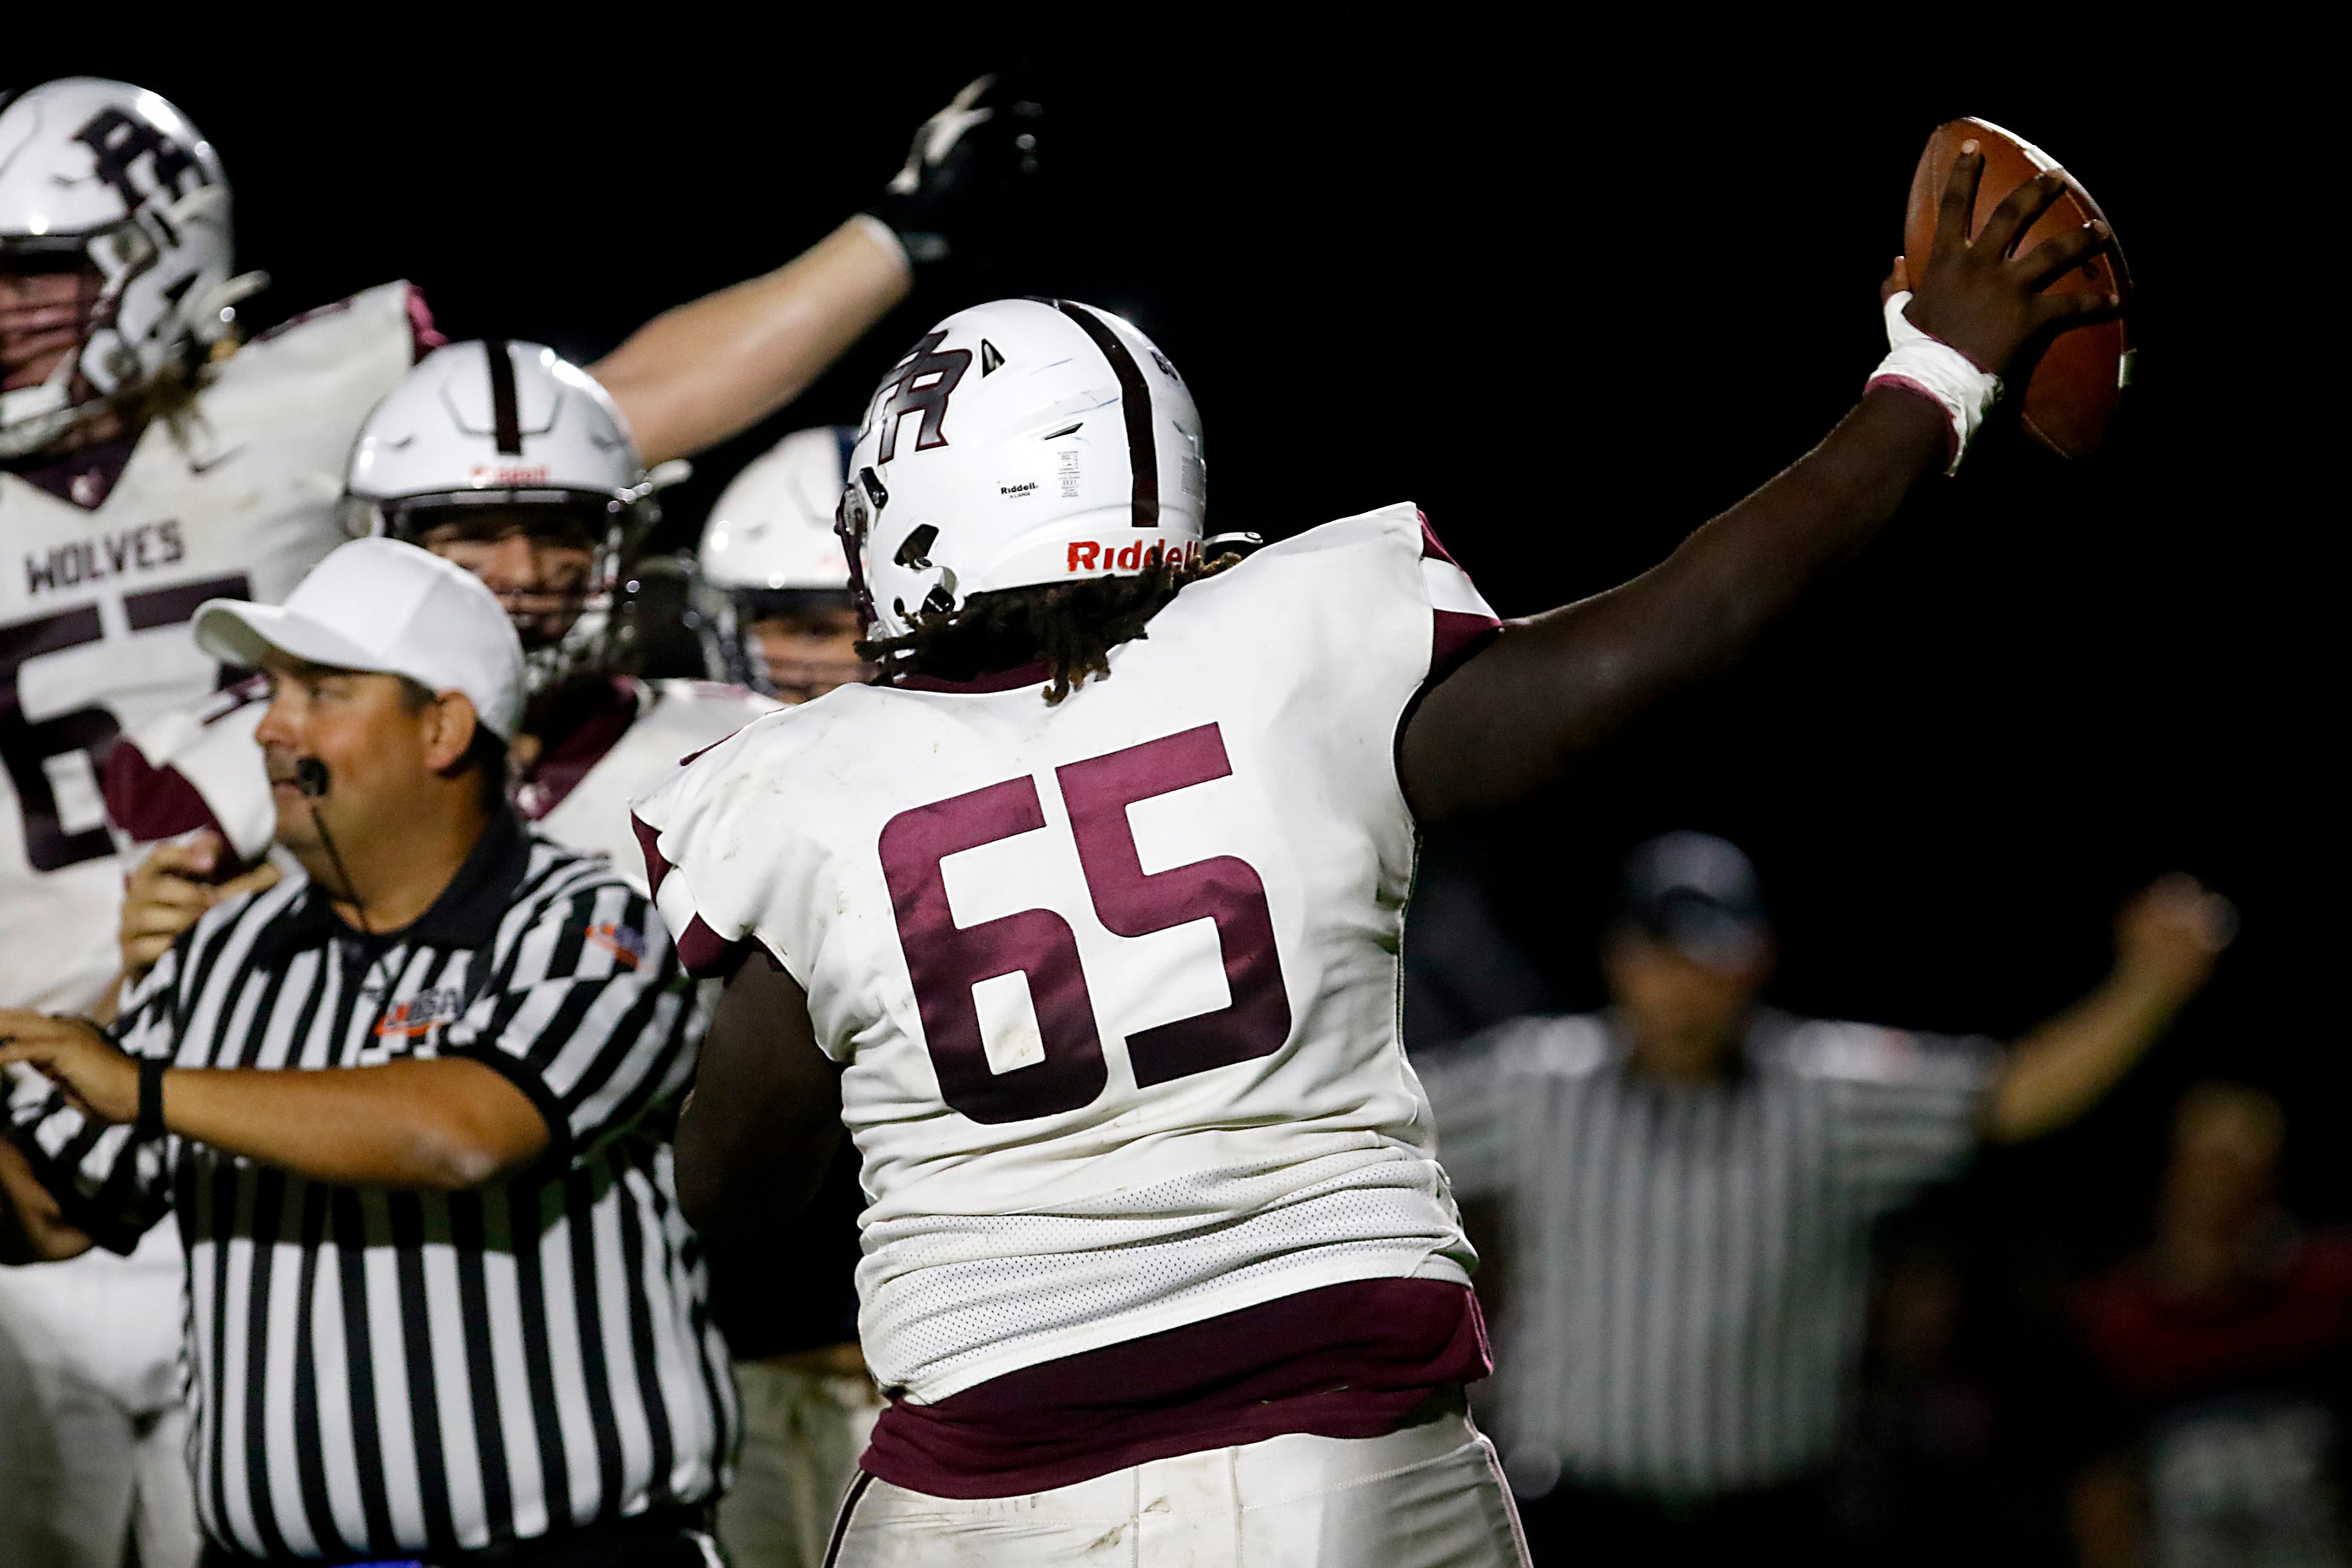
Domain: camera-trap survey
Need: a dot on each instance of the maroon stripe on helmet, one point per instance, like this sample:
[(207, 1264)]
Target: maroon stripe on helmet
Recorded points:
[(506, 418), (1135, 398)]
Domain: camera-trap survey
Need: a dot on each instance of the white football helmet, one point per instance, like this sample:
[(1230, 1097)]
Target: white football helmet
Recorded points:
[(1022, 442), (504, 437), (104, 176), (770, 547)]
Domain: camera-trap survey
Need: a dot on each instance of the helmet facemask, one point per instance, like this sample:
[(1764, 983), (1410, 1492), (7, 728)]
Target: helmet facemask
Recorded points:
[(792, 644), (554, 559), (112, 185), (514, 464)]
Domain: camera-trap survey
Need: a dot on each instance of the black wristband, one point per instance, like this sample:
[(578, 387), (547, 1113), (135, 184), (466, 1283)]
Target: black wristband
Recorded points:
[(151, 1097)]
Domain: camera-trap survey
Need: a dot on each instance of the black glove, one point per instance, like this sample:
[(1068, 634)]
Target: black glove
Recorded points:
[(970, 163)]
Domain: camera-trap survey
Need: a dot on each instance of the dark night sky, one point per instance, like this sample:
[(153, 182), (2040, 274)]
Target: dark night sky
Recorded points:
[(1571, 299)]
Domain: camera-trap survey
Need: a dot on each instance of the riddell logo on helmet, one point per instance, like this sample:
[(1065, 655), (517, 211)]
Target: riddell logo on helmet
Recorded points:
[(506, 475), (1086, 555)]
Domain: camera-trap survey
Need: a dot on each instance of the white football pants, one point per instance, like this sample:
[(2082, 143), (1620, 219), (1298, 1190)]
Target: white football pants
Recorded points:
[(96, 1430), (801, 1435), (1431, 1496)]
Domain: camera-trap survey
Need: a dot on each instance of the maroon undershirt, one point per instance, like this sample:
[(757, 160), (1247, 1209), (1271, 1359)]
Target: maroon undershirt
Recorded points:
[(1354, 1360)]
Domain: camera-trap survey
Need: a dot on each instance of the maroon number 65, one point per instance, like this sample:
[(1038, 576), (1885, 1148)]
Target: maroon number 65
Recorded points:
[(945, 960)]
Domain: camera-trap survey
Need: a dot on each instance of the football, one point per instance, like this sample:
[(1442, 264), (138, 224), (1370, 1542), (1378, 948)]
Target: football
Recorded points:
[(2080, 376)]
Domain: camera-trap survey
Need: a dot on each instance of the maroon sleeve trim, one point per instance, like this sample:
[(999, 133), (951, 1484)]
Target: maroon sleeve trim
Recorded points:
[(151, 803), (701, 952), (649, 845), (1455, 636), (1429, 544), (423, 337), (706, 955)]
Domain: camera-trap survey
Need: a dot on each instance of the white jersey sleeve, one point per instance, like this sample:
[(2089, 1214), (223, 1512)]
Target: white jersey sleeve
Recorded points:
[(234, 496), (1116, 981)]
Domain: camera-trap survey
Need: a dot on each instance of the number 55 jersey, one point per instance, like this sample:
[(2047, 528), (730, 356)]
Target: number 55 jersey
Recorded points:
[(108, 555), (1114, 981)]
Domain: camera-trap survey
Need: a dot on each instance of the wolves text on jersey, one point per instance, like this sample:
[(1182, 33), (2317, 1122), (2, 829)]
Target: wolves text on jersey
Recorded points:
[(148, 547)]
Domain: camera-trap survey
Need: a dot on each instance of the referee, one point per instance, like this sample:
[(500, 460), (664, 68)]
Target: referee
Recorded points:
[(1687, 1184), (411, 1111)]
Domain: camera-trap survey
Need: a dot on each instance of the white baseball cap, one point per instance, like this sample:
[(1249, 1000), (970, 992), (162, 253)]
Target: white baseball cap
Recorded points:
[(388, 608)]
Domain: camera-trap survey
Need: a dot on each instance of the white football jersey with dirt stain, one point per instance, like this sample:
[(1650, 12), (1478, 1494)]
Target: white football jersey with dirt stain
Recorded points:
[(235, 498), (1114, 981)]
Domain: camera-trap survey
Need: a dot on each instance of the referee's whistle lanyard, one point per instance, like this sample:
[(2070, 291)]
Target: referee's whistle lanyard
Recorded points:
[(311, 776)]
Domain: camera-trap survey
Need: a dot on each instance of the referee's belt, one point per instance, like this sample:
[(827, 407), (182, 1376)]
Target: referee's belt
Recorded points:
[(616, 1544)]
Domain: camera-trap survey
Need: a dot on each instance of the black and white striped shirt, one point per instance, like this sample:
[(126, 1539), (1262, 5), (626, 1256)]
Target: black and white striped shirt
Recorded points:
[(387, 1373), (1688, 1265)]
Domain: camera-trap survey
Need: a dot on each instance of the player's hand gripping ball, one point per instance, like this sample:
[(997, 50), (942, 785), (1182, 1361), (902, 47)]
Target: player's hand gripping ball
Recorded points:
[(2019, 205)]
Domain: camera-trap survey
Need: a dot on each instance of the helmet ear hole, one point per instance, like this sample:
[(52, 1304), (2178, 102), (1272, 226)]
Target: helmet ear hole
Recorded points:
[(915, 550)]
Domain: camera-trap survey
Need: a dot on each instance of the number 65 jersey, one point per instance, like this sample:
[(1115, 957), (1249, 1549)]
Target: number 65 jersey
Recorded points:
[(1114, 981)]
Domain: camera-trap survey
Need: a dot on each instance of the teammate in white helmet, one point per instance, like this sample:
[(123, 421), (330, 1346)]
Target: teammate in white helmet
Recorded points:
[(1087, 922), (514, 464), (141, 471), (771, 593), (146, 468)]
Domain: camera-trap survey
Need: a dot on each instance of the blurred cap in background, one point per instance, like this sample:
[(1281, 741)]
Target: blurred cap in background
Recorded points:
[(1698, 894)]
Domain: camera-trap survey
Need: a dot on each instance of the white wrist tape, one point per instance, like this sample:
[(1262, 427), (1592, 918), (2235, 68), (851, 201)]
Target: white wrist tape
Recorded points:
[(1925, 363)]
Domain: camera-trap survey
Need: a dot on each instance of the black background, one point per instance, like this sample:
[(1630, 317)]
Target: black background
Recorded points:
[(1572, 294)]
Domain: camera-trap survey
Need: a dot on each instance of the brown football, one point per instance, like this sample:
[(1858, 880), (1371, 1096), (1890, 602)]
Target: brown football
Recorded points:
[(2082, 373)]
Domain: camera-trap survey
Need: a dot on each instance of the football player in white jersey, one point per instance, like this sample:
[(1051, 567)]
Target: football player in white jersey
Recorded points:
[(514, 464), (771, 594), (1087, 920), (144, 469)]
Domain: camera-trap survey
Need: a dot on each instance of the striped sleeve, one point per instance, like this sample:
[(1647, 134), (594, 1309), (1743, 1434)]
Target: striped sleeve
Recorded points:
[(1902, 1109), (107, 1183), (586, 1012)]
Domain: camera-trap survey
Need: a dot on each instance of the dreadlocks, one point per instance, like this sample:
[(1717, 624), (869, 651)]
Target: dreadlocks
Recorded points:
[(1070, 627)]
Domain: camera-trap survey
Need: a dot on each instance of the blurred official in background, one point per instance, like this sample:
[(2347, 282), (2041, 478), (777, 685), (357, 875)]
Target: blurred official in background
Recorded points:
[(1688, 1182), (773, 605), (440, 1296), (148, 463)]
